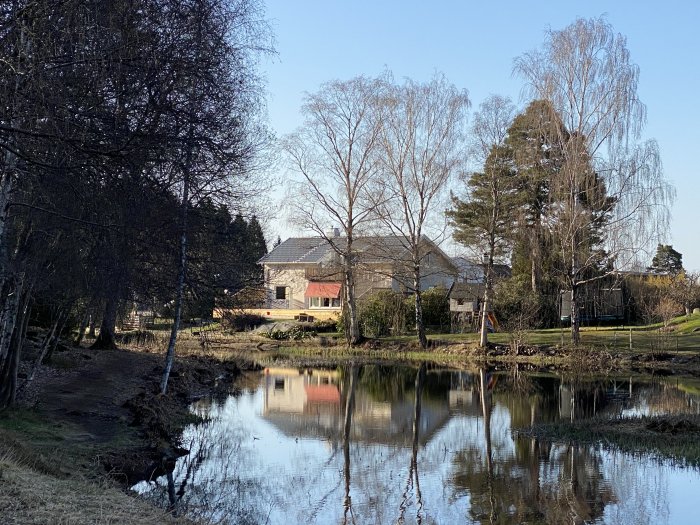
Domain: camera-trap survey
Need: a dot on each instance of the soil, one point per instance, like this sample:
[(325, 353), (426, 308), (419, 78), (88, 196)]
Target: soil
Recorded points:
[(97, 414)]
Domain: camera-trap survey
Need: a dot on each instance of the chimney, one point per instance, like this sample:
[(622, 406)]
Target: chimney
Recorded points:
[(332, 232)]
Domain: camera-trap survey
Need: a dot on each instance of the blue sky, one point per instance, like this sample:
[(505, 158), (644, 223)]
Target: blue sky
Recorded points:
[(474, 44)]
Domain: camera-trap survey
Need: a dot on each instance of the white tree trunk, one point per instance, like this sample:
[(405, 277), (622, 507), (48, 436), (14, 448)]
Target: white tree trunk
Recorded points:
[(170, 354)]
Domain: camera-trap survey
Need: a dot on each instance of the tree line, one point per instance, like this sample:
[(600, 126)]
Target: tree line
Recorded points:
[(566, 189), (128, 131)]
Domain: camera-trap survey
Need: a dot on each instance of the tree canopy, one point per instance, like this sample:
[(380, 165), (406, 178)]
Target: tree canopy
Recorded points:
[(666, 260)]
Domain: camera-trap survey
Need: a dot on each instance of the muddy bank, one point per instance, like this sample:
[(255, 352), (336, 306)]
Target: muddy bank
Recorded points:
[(551, 357), (96, 417)]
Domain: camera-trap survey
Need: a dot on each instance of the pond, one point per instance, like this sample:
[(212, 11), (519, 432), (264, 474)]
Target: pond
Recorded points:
[(378, 444)]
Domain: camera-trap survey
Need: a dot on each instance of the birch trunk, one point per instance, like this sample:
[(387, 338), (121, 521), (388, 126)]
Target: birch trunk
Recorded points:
[(352, 328), (170, 354), (420, 326)]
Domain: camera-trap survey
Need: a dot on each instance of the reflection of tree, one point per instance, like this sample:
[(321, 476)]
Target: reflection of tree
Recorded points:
[(413, 479), (347, 423), (387, 383), (578, 493), (207, 486), (485, 397), (536, 483)]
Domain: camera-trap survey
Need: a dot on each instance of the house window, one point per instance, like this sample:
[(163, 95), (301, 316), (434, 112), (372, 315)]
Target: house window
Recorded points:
[(280, 292), (324, 302)]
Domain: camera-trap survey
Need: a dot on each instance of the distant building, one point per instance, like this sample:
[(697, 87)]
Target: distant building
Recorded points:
[(467, 293), (475, 272), (305, 272)]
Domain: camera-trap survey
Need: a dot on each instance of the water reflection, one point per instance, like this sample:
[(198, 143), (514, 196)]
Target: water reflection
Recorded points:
[(379, 444)]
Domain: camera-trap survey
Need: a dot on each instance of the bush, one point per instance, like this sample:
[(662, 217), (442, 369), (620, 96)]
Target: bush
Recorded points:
[(390, 313), (436, 308), (295, 333), (324, 327), (517, 307), (382, 313), (241, 321)]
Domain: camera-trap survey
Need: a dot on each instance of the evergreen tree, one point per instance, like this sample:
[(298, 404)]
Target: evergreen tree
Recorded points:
[(666, 260), (537, 157), (486, 216), (255, 248)]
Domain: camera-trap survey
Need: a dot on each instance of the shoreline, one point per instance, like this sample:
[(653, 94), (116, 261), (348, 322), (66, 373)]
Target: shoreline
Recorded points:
[(93, 423)]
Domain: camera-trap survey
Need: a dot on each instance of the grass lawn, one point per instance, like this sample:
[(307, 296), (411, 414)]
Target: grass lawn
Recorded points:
[(683, 334)]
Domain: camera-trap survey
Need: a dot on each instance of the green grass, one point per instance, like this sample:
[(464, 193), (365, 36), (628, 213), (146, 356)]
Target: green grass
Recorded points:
[(684, 336)]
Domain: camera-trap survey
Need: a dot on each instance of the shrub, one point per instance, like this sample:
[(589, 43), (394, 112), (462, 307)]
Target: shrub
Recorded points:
[(295, 333), (382, 313), (324, 327), (436, 308), (517, 307), (390, 313), (241, 321)]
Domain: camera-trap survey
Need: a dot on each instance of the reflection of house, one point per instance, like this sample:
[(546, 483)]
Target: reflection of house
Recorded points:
[(305, 273), (311, 403), (463, 394), (306, 391)]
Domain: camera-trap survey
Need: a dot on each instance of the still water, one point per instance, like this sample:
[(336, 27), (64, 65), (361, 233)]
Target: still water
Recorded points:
[(398, 445)]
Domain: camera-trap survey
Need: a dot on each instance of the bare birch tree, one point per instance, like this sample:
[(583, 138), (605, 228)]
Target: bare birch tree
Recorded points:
[(610, 182), (421, 150), (335, 155), (216, 139), (485, 216)]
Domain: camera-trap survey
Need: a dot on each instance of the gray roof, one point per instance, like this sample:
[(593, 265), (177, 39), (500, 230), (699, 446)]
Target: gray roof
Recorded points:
[(469, 291), (314, 250), (298, 250), (476, 270)]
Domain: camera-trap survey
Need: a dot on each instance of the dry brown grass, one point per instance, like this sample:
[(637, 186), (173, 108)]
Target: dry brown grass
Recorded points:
[(30, 497)]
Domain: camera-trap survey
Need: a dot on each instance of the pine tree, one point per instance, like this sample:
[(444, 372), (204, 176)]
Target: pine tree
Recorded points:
[(256, 247), (666, 260)]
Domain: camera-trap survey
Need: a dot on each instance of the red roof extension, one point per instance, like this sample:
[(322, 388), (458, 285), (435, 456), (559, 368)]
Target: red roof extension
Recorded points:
[(330, 290)]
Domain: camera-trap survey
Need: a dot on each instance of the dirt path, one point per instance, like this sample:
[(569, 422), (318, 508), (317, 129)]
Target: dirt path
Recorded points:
[(90, 418), (99, 411), (92, 395)]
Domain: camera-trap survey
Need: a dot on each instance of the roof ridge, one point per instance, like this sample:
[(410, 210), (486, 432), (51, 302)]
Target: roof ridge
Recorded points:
[(309, 252)]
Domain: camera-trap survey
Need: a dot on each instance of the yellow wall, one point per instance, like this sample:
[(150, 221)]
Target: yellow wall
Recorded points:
[(279, 313)]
